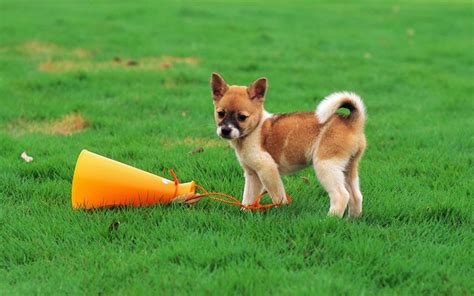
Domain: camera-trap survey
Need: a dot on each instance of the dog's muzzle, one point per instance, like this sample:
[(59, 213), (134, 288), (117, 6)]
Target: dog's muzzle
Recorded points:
[(228, 132)]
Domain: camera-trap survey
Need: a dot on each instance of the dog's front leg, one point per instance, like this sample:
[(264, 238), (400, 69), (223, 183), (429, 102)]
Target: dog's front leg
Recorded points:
[(253, 187), (270, 178)]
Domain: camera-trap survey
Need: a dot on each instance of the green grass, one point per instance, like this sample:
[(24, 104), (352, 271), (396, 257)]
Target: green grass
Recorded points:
[(411, 61)]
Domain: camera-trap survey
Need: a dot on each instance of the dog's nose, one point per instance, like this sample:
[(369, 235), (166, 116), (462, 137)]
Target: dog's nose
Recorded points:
[(225, 130)]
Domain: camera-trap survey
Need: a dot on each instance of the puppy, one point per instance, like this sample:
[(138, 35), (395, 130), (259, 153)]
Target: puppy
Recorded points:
[(269, 145)]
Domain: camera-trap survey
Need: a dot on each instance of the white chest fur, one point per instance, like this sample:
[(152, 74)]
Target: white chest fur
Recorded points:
[(249, 151)]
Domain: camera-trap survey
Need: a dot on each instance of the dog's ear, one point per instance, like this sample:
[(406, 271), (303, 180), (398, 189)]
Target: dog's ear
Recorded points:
[(218, 86), (258, 89)]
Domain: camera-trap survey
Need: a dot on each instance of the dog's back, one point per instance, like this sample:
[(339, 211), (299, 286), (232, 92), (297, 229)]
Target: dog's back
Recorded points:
[(289, 138)]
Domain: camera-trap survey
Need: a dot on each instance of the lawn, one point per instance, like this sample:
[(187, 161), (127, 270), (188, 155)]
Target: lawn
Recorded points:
[(130, 80)]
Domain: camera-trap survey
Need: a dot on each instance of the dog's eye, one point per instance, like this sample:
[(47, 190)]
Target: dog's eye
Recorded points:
[(221, 114), (242, 117)]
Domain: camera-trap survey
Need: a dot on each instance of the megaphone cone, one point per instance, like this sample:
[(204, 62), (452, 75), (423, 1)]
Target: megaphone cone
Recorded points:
[(102, 182)]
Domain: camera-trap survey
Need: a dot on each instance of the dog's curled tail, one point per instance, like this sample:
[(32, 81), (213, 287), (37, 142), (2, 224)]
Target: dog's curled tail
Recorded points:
[(337, 100)]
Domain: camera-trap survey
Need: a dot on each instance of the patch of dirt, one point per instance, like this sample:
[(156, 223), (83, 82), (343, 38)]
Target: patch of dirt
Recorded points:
[(168, 61), (204, 142), (199, 142), (67, 125), (63, 66), (58, 59), (143, 64), (169, 83), (81, 53), (35, 48), (196, 150)]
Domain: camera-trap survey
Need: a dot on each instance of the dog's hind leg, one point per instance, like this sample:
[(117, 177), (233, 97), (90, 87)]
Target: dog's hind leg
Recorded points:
[(330, 173), (352, 183)]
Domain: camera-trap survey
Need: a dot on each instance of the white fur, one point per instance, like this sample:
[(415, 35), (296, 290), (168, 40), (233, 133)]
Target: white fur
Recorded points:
[(331, 103), (253, 187), (234, 133), (261, 171), (355, 203), (330, 173)]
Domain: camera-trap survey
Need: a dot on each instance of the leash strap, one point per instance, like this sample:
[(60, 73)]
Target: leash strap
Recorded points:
[(224, 198), (176, 182)]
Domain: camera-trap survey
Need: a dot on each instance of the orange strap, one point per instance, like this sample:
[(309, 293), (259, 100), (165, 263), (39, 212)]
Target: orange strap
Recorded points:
[(228, 199), (176, 182)]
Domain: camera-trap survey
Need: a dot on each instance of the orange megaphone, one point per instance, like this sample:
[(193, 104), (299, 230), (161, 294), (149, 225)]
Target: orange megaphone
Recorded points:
[(102, 182)]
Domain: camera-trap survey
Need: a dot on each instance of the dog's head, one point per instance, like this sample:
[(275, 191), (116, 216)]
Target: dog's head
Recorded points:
[(237, 109)]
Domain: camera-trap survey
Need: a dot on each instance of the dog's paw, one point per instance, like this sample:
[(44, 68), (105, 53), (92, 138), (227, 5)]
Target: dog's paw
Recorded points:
[(281, 202), (354, 213), (244, 210), (336, 212)]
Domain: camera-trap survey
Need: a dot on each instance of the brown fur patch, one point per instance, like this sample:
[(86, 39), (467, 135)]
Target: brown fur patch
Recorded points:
[(237, 99), (67, 125), (289, 137), (340, 139)]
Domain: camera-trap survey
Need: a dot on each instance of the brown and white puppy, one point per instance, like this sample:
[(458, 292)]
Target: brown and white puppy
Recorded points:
[(268, 145)]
